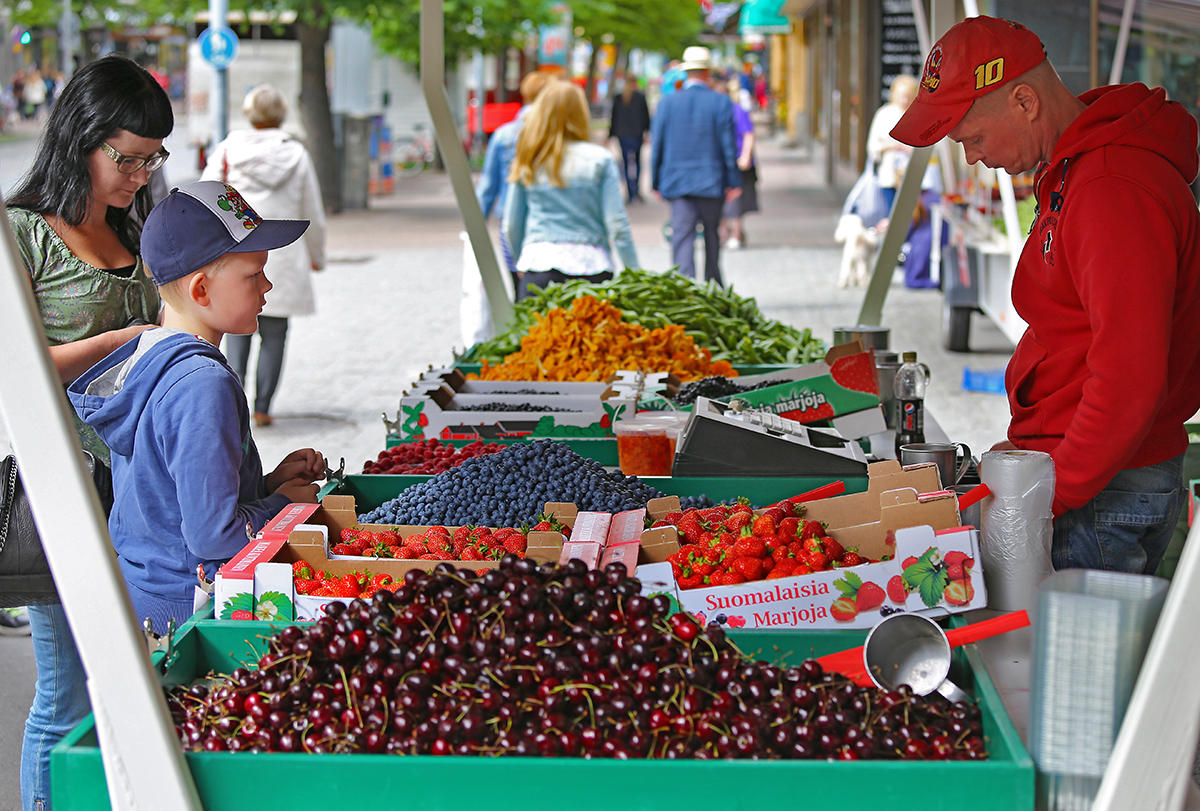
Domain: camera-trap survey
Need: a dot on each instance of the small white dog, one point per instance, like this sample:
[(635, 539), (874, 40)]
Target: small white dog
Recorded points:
[(858, 249)]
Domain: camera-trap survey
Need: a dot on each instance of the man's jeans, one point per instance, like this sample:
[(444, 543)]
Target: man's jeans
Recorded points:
[(60, 701), (685, 213), (1127, 526)]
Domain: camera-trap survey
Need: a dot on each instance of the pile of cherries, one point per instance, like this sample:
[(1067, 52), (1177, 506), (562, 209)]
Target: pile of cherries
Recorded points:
[(548, 661)]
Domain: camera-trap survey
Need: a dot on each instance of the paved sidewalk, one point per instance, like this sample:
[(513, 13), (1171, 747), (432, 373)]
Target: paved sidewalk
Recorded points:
[(388, 307)]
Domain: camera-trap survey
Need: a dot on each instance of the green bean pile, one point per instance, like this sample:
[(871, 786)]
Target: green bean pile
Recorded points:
[(730, 326)]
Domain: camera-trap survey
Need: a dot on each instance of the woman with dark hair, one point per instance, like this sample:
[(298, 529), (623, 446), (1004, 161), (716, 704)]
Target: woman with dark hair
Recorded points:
[(76, 217)]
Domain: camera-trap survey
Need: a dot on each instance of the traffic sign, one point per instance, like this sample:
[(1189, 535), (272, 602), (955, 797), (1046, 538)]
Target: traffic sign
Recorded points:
[(218, 46)]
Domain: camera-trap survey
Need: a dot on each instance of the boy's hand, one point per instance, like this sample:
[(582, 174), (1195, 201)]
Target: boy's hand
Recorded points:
[(305, 464), (299, 490)]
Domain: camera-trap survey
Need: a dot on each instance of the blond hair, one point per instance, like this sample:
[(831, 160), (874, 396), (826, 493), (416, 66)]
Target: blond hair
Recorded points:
[(264, 106), (559, 115), (532, 84), (175, 292)]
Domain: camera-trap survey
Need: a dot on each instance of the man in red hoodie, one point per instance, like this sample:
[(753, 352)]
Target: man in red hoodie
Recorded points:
[(1108, 281)]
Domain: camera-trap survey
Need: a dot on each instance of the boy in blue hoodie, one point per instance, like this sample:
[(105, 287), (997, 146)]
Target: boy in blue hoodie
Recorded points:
[(188, 484)]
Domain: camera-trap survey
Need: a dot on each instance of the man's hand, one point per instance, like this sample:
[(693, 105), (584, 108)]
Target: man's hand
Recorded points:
[(744, 162), (733, 194), (306, 465)]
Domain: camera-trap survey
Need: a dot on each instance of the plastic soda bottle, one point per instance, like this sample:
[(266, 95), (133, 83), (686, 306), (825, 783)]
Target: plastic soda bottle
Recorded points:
[(909, 388)]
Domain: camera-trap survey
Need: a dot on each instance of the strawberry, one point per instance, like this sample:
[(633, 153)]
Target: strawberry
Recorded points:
[(305, 585), (815, 560), (869, 596), (955, 571), (780, 570), (788, 528), (764, 526), (853, 559), (341, 589), (348, 535), (242, 614), (812, 528), (737, 520), (843, 609), (691, 581), (908, 561), (460, 535), (833, 549), (470, 553), (430, 556), (673, 518), (775, 513), (897, 590), (302, 570), (748, 567), (749, 547), (381, 579), (345, 549), (440, 545)]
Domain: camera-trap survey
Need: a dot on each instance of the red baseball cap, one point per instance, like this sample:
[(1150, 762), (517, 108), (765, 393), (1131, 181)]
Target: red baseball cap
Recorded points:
[(972, 59)]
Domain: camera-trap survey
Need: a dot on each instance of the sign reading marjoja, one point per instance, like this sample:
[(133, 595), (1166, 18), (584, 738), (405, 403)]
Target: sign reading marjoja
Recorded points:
[(218, 46)]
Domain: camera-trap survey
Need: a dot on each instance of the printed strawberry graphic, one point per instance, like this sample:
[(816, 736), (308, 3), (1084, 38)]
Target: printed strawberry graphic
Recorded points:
[(865, 596), (737, 622), (869, 596), (960, 592), (843, 609), (856, 372), (897, 590), (241, 607)]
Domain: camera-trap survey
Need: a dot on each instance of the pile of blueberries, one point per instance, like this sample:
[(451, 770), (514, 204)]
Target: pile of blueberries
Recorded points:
[(510, 488)]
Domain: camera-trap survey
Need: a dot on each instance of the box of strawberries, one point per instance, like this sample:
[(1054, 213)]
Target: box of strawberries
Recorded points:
[(830, 563)]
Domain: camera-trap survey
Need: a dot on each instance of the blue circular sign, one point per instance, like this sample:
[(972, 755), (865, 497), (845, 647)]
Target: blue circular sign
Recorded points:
[(218, 46)]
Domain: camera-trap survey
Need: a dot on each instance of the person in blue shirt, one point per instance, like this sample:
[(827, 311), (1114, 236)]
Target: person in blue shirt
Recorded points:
[(694, 163), (564, 196), (497, 160), (188, 484)]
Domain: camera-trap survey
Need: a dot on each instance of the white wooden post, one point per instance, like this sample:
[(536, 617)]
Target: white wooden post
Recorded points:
[(143, 761)]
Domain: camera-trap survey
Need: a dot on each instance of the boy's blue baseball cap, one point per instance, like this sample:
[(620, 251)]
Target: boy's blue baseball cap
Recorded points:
[(201, 221)]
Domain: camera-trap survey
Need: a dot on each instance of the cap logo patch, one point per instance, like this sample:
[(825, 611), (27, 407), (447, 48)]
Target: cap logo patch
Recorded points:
[(932, 77), (989, 73), (235, 204)]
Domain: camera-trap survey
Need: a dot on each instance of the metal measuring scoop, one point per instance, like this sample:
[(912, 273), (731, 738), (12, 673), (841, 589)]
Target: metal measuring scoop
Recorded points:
[(910, 649)]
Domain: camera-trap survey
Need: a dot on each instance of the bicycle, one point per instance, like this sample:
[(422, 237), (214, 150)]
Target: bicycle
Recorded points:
[(415, 153)]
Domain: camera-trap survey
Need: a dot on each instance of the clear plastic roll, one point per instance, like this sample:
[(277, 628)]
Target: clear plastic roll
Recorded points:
[(1017, 526)]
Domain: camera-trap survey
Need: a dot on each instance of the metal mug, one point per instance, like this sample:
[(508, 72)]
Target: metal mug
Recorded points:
[(872, 337), (943, 454), (910, 649)]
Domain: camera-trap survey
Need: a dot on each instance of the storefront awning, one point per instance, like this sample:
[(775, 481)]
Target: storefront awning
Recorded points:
[(763, 17)]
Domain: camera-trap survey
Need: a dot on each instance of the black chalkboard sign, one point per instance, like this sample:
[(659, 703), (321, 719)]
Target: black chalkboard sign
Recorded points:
[(900, 49)]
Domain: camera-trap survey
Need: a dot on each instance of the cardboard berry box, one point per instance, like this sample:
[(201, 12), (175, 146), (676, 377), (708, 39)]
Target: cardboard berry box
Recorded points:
[(438, 412), (901, 509), (918, 580), (305, 532)]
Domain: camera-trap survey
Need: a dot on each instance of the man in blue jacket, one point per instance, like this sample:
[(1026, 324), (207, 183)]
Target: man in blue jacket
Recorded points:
[(693, 162)]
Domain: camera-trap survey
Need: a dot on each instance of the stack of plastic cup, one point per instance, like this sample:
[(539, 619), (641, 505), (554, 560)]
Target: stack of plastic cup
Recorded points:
[(1092, 629)]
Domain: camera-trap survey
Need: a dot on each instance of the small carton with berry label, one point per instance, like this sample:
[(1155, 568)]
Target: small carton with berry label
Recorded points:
[(933, 573)]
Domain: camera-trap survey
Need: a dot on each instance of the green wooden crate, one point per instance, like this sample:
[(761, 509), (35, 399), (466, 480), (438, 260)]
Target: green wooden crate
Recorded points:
[(287, 781), (373, 489)]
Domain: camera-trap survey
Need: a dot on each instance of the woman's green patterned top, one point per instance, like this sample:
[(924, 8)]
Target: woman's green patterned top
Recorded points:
[(76, 300)]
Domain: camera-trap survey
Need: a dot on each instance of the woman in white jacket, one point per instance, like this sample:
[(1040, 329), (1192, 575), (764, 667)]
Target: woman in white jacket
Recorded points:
[(274, 173)]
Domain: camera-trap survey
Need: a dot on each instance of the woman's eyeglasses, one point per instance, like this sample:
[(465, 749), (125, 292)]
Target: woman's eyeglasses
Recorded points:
[(128, 164)]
